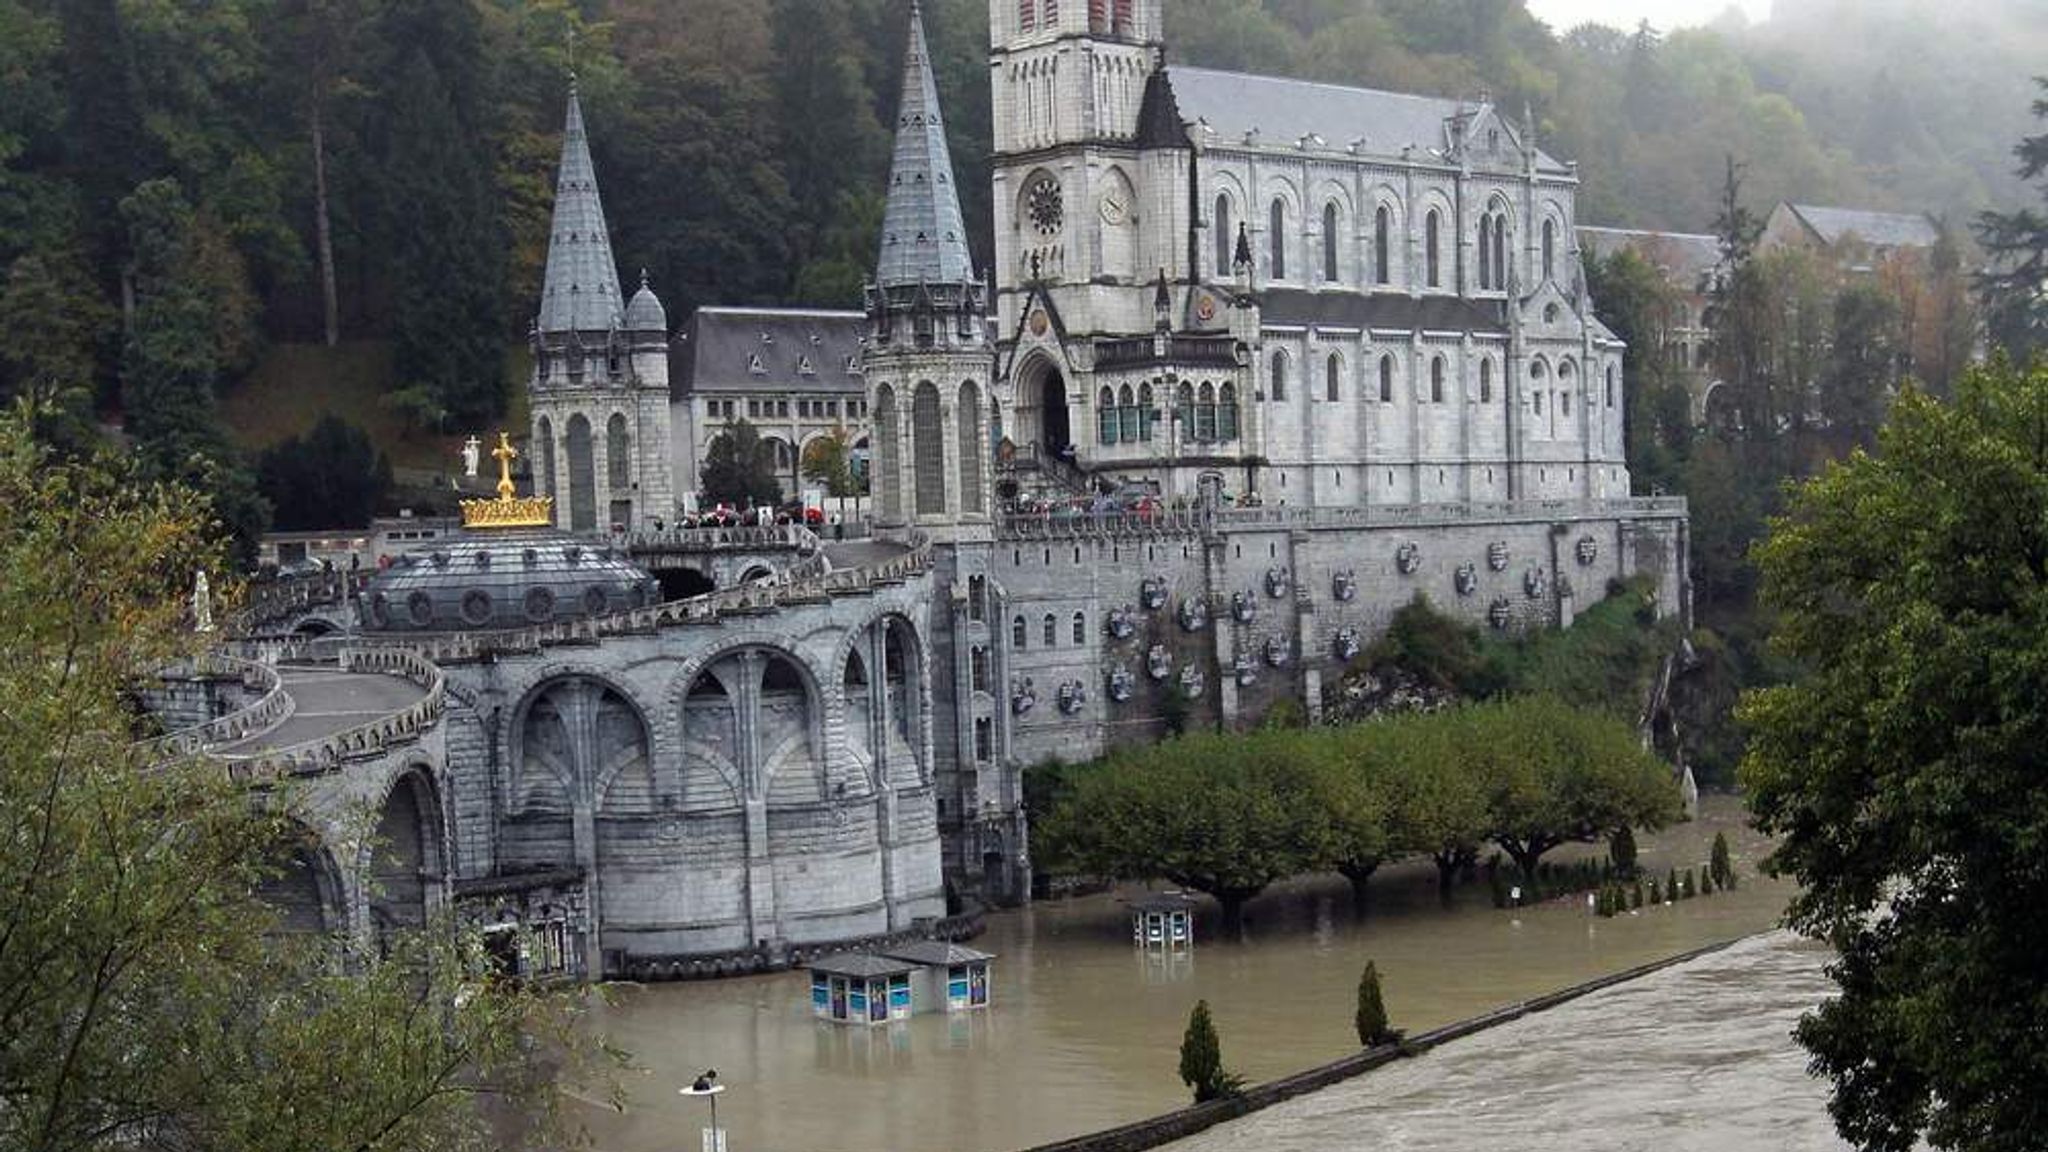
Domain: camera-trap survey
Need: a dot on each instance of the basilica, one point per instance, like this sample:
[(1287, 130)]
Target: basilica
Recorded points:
[(1338, 340)]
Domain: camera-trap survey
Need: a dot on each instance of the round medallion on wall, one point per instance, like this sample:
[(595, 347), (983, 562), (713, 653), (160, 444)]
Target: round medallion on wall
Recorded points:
[(1205, 308), (420, 607), (540, 605), (476, 606), (594, 600), (1042, 204), (1039, 323)]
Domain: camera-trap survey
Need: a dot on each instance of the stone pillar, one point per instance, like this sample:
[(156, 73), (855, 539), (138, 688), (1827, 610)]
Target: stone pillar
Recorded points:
[(761, 914)]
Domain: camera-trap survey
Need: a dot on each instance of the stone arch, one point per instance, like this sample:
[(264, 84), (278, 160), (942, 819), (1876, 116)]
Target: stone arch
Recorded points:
[(973, 486), (1389, 226), (405, 859), (1232, 203), (897, 664), (1043, 420), (307, 890), (790, 724), (576, 738), (582, 476)]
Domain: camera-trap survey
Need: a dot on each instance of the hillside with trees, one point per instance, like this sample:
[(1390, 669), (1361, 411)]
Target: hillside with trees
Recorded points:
[(188, 187)]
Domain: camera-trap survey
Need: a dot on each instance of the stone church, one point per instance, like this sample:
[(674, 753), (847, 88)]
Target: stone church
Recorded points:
[(1340, 336)]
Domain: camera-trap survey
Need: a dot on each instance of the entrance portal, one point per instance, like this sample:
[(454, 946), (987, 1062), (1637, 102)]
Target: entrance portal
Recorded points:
[(1052, 401)]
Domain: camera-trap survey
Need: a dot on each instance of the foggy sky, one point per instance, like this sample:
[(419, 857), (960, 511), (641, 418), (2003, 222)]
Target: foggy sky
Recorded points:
[(1664, 15)]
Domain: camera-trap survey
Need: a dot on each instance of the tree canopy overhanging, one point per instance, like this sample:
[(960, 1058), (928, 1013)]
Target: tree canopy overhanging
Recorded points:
[(1903, 771)]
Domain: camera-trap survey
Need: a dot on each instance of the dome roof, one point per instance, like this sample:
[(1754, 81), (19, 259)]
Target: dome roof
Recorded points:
[(500, 579), (645, 313)]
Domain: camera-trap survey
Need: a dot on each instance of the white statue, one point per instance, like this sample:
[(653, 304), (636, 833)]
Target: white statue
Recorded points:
[(472, 453), (202, 604)]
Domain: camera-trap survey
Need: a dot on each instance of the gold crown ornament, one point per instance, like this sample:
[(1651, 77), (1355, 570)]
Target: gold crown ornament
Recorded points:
[(509, 510)]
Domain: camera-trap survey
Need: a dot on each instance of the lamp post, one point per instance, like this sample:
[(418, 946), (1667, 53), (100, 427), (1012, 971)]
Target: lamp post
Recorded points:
[(708, 1086)]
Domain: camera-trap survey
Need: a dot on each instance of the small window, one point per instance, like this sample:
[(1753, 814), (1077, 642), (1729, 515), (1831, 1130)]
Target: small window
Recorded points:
[(1431, 253), (1278, 239), (1381, 226), (1279, 379), (1080, 628), (1330, 225), (1549, 247), (1610, 385), (1018, 631), (1224, 239), (984, 739), (1436, 380), (978, 669), (977, 596), (1386, 379), (1051, 630), (1486, 381), (1333, 371)]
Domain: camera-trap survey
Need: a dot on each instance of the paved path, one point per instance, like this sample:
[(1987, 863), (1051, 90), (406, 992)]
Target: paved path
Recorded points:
[(861, 553), (326, 701), (1696, 1058)]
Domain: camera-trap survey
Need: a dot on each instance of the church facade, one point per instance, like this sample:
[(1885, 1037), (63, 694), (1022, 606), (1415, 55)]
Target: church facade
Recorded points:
[(1340, 336)]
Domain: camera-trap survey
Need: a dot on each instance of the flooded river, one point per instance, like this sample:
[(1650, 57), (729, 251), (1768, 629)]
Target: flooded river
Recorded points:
[(1696, 1058), (1085, 1030)]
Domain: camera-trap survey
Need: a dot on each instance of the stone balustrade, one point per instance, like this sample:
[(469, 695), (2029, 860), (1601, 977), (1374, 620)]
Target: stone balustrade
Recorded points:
[(1185, 520), (364, 741), (739, 537), (273, 705)]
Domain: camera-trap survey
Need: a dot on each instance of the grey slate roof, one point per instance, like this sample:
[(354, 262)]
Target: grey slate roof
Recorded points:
[(1686, 258), (1886, 229), (644, 312), (718, 346), (1283, 111), (499, 578), (924, 238), (580, 292), (936, 954), (1290, 306), (859, 965)]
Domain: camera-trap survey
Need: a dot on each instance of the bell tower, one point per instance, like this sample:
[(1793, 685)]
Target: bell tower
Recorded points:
[(928, 354)]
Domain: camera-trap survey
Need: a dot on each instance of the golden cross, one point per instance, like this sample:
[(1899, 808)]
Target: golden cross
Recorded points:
[(504, 454)]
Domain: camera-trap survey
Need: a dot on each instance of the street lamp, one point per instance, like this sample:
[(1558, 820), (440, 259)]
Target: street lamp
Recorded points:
[(707, 1085)]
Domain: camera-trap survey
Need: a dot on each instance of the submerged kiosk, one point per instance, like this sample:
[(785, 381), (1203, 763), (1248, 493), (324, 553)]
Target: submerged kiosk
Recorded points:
[(921, 976)]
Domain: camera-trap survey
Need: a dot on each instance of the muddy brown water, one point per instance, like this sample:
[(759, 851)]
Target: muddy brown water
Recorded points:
[(1084, 1031)]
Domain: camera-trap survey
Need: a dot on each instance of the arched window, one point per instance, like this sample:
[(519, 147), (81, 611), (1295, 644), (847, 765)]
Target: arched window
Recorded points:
[(1184, 406), (1500, 250), (971, 447), (1486, 381), (1205, 413), (1018, 633), (1277, 238), (1223, 237), (1380, 229), (1051, 630), (1537, 399), (1105, 416), (1333, 370), (1226, 412), (1278, 380), (1080, 628), (1431, 256), (928, 440), (1330, 242), (1145, 413), (1486, 251), (1386, 379), (1027, 15), (1564, 402), (1436, 380), (1127, 415), (1549, 248)]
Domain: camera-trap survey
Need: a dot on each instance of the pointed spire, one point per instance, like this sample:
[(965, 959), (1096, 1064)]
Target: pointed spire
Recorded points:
[(581, 290), (924, 239)]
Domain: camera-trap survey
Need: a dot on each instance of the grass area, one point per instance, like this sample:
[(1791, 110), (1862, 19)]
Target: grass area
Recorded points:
[(295, 384)]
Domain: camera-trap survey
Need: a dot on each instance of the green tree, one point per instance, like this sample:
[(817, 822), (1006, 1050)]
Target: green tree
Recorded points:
[(150, 1001), (332, 477), (1201, 1058), (1901, 772), (1371, 1017), (1621, 850), (448, 245), (1567, 775), (1221, 814), (55, 320), (1720, 868), (1641, 306), (1439, 787), (826, 461), (739, 469), (1357, 801), (2016, 250), (1862, 363)]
